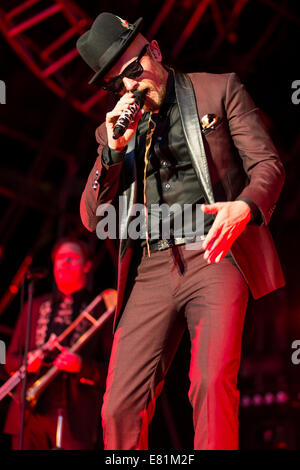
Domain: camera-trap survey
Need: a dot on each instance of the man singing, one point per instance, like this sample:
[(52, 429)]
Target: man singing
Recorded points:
[(199, 141)]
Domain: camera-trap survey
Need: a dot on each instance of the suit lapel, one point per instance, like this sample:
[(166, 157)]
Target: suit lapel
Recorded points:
[(191, 128)]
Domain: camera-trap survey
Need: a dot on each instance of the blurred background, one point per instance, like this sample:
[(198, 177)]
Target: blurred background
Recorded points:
[(48, 148)]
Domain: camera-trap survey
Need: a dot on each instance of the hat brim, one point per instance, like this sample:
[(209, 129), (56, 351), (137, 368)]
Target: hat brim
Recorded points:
[(137, 26)]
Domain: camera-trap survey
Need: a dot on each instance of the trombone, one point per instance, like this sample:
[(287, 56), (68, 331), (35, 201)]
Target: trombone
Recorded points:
[(109, 296)]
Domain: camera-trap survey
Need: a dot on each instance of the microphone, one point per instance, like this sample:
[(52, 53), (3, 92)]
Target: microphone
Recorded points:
[(37, 273), (129, 114)]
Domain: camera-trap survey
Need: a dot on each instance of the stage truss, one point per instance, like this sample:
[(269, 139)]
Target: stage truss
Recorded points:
[(44, 33)]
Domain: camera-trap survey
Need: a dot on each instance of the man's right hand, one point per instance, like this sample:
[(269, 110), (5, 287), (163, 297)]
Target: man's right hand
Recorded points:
[(34, 361), (112, 117)]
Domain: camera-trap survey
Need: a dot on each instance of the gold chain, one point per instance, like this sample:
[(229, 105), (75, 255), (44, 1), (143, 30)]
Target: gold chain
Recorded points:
[(150, 131)]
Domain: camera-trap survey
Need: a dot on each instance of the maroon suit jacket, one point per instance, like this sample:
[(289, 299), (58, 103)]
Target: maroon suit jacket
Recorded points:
[(235, 159)]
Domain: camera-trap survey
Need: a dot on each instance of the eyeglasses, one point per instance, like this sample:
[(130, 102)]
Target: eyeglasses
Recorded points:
[(133, 70)]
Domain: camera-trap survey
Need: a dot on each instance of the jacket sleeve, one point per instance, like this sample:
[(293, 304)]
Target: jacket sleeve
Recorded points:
[(260, 158), (102, 184)]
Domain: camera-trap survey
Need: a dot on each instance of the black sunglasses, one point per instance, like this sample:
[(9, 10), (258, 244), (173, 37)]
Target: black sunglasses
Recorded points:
[(133, 70)]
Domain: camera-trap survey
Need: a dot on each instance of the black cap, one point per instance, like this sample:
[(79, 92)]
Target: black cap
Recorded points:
[(102, 45)]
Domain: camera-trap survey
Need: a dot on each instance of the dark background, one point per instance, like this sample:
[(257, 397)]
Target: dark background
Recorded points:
[(48, 148)]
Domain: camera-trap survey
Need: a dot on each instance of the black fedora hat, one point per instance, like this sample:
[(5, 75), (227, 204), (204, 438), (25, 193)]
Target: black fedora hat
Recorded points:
[(102, 45)]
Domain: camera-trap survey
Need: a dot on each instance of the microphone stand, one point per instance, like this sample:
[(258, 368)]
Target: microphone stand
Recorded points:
[(59, 429), (26, 350)]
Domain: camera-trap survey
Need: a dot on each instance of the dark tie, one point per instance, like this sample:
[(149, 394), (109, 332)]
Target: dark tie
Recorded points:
[(150, 131)]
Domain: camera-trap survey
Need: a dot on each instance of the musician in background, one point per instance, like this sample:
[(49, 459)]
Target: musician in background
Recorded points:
[(77, 391)]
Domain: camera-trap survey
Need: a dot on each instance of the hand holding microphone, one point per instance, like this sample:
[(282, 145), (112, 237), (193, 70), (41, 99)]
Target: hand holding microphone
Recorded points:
[(129, 114), (122, 121)]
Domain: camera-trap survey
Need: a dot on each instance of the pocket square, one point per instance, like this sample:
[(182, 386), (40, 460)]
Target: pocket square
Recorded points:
[(208, 122)]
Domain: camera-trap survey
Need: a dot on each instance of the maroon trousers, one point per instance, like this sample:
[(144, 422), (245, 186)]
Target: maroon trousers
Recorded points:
[(210, 300)]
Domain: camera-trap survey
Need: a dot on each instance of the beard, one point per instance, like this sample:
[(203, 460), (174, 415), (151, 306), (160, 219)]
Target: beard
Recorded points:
[(156, 90), (154, 99)]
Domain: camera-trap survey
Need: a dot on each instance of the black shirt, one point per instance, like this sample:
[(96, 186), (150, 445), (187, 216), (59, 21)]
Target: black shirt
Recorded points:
[(170, 176)]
